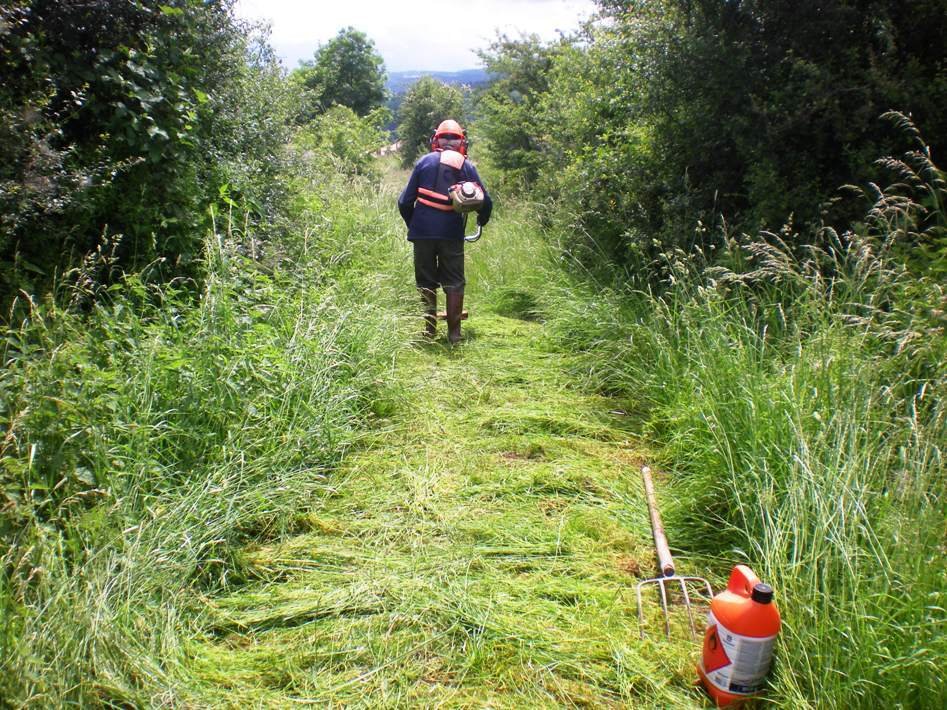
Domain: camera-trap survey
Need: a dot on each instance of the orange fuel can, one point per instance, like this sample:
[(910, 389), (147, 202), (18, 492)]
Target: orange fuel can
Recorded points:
[(738, 644)]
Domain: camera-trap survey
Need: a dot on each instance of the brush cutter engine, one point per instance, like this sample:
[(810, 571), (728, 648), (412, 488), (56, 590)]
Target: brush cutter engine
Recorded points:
[(466, 197)]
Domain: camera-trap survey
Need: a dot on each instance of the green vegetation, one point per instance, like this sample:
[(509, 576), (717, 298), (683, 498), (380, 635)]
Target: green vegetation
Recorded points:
[(477, 551), (750, 113), (233, 473), (509, 108), (805, 437), (791, 379), (339, 141), (121, 124), (347, 71), (425, 104), (149, 439)]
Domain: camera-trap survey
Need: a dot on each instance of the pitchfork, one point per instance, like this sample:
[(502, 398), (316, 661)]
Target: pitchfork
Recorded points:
[(666, 563)]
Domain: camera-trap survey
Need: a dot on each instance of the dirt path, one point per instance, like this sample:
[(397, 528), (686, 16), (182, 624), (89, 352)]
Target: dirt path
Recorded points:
[(479, 551)]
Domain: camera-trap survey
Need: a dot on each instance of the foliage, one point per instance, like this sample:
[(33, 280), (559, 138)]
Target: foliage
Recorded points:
[(910, 216), (677, 112), (343, 142), (346, 71), (425, 105), (250, 125), (771, 121), (121, 122), (600, 157), (798, 402), (792, 381), (508, 110)]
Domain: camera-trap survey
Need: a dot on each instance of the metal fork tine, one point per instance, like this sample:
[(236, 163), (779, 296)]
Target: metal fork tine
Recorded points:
[(687, 603), (640, 613), (666, 565), (664, 606)]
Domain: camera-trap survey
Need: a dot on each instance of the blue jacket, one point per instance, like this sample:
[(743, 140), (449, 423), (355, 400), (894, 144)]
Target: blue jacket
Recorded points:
[(425, 206)]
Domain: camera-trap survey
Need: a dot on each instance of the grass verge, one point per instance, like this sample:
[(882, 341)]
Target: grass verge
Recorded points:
[(802, 418), (148, 440)]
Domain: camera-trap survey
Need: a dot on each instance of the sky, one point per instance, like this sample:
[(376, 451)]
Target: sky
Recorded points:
[(410, 34)]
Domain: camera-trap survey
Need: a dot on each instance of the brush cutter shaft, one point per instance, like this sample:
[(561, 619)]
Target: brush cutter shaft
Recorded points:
[(665, 560)]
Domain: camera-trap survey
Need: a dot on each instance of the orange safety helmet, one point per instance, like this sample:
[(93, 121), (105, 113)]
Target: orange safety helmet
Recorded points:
[(450, 127)]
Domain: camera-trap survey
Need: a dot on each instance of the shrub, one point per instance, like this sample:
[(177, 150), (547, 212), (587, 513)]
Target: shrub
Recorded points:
[(121, 122), (425, 105), (346, 71), (340, 141), (676, 112)]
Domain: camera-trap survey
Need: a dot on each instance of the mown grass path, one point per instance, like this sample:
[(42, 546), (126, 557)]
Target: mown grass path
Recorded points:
[(480, 550)]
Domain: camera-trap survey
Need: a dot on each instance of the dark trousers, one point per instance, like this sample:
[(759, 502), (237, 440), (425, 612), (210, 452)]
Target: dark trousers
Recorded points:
[(439, 263)]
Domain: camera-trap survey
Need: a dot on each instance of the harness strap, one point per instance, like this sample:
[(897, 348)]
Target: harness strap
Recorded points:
[(431, 193), (436, 205), (440, 200)]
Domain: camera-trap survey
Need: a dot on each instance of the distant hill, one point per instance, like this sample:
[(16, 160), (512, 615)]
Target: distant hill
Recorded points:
[(401, 81)]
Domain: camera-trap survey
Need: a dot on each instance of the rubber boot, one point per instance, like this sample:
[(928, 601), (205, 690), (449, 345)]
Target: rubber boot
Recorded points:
[(455, 305), (429, 297)]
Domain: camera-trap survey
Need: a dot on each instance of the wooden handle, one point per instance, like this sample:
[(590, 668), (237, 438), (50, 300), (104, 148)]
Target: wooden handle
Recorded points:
[(665, 561)]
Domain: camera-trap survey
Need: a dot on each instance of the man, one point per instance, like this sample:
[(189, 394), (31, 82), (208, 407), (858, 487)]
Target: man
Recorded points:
[(435, 229)]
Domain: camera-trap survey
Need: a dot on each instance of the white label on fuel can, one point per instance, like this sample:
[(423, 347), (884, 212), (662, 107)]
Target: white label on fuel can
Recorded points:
[(749, 657)]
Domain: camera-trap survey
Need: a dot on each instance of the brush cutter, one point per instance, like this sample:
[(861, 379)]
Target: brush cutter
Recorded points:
[(475, 236), (467, 197), (666, 565)]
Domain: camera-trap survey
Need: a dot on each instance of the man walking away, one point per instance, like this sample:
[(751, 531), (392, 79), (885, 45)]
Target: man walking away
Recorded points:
[(435, 229)]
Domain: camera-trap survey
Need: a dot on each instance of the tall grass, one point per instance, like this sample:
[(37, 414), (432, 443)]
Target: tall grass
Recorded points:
[(797, 396), (146, 440)]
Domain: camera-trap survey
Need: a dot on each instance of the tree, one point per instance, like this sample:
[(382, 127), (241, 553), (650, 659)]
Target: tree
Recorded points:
[(768, 107), (509, 107), (347, 71), (675, 112), (426, 104), (119, 123)]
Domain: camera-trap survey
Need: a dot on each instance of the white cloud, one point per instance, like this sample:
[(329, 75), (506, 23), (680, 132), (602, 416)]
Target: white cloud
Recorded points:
[(410, 34)]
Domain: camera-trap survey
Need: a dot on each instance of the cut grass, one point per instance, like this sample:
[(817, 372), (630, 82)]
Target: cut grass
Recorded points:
[(454, 562), (300, 505)]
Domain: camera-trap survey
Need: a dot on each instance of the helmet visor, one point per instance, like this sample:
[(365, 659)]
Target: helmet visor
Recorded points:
[(449, 140)]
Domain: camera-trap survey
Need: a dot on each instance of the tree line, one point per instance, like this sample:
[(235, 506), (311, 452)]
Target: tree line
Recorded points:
[(670, 117), (659, 125)]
